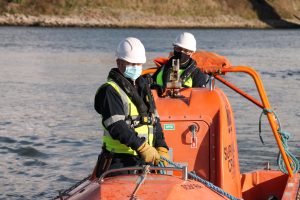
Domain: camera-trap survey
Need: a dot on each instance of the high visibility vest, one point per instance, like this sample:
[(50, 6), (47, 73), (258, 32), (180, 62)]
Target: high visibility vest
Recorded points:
[(159, 78), (131, 112)]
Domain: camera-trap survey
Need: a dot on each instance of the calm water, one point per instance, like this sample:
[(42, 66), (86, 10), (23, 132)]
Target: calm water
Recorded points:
[(49, 131)]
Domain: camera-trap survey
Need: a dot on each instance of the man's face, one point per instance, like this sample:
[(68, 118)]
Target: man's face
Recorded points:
[(123, 63), (183, 50), (182, 54)]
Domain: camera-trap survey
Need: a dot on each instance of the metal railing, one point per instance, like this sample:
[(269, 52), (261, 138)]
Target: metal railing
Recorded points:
[(184, 171)]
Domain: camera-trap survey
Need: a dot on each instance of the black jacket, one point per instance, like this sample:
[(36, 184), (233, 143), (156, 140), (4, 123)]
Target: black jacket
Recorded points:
[(108, 103)]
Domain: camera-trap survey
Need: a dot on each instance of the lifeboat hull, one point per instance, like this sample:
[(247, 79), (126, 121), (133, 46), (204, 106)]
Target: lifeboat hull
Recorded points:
[(154, 187), (260, 184)]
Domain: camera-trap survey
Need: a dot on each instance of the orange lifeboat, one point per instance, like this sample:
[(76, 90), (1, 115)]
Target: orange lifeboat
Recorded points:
[(199, 128)]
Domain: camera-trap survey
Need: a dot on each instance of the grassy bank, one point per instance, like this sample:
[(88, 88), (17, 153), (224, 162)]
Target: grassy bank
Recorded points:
[(155, 13)]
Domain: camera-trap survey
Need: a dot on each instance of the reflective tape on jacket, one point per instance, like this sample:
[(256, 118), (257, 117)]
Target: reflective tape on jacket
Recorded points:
[(131, 110), (159, 78), (113, 119)]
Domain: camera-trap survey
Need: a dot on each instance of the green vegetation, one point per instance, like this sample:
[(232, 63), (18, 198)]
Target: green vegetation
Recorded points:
[(180, 8)]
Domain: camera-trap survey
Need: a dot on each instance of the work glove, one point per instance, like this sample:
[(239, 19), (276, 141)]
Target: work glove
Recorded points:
[(148, 153), (162, 151)]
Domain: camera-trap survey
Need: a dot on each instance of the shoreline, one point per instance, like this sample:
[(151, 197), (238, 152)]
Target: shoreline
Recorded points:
[(145, 21)]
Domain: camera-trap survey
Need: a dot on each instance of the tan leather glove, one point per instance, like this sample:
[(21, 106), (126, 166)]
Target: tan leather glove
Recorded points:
[(148, 153), (162, 151)]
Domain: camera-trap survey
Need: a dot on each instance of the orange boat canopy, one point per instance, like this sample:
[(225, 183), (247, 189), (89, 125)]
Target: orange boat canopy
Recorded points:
[(208, 62)]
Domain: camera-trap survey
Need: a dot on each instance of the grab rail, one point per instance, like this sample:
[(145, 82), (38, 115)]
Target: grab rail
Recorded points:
[(183, 169), (264, 104)]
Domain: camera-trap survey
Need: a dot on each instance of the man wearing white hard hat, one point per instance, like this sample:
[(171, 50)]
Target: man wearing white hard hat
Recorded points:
[(191, 76), (132, 130)]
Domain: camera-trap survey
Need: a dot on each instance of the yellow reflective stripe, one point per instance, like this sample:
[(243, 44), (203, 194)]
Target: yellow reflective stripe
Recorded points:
[(116, 146), (129, 107), (142, 131), (124, 97), (159, 77), (151, 135), (133, 109), (188, 82), (113, 119)]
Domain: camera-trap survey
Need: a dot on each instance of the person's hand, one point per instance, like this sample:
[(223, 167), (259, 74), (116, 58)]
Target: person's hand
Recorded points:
[(148, 153), (162, 151)]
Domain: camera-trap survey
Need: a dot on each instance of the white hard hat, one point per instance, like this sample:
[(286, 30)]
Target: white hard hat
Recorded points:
[(131, 50), (186, 40)]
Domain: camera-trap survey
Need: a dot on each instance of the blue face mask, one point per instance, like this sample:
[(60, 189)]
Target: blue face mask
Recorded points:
[(133, 71)]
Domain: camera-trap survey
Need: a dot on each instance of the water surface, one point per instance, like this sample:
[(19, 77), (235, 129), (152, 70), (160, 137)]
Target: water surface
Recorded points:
[(49, 131)]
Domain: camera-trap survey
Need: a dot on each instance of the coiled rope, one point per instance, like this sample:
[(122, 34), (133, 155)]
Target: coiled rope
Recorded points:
[(285, 136), (201, 180)]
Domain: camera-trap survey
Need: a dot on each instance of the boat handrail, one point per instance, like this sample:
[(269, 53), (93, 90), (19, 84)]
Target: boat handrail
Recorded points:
[(183, 169), (264, 104)]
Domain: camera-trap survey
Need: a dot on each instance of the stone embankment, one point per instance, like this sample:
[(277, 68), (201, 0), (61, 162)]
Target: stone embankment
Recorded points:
[(140, 21)]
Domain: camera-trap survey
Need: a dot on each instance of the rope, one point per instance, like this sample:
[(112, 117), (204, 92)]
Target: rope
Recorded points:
[(201, 180), (285, 136), (264, 112), (161, 164)]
